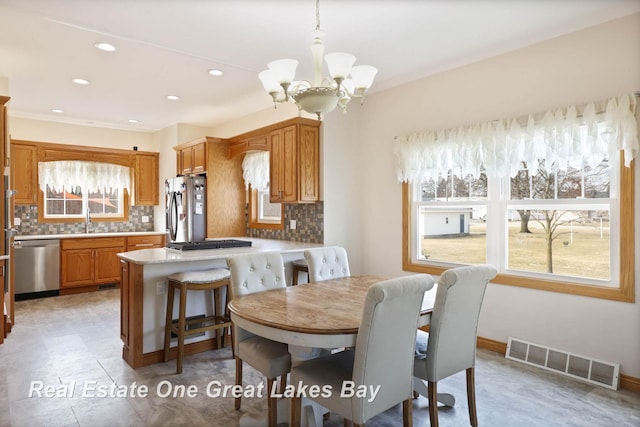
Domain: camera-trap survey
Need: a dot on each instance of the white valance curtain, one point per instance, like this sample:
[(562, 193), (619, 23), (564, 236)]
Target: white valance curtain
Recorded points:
[(564, 137), (90, 175), (255, 169)]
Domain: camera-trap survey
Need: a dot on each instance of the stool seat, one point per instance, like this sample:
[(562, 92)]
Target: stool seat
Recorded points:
[(299, 266), (204, 280), (202, 276)]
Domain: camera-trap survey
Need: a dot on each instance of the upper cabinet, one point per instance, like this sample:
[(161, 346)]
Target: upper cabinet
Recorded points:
[(192, 157), (25, 156), (294, 155), (24, 173), (146, 179)]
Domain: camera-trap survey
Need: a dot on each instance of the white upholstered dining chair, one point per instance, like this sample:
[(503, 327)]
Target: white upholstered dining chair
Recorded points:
[(252, 273), (450, 345), (328, 262), (382, 358)]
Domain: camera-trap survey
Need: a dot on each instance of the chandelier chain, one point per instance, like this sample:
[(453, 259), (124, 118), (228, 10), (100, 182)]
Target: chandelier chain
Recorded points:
[(317, 14)]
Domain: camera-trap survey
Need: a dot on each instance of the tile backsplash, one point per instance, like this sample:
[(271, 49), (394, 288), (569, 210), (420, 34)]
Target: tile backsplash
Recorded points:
[(29, 224), (309, 219)]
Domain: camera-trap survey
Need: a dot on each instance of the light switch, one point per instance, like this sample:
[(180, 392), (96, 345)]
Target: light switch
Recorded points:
[(292, 224)]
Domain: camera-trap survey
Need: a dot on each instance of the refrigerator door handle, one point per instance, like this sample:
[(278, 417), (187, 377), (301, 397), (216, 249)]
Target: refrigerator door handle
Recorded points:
[(173, 216)]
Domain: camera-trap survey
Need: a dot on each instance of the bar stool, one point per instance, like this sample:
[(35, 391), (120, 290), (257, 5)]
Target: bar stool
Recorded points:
[(205, 280), (299, 266)]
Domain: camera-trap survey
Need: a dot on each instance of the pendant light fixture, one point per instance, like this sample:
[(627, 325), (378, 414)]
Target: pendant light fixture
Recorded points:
[(325, 93)]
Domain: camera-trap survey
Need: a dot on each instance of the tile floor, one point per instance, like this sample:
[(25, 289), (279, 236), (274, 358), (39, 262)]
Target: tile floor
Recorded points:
[(74, 339)]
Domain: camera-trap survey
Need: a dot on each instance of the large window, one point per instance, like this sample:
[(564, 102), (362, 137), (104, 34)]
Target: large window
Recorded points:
[(559, 222)]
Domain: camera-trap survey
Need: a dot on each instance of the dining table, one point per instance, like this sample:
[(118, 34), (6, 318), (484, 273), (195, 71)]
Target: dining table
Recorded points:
[(324, 315)]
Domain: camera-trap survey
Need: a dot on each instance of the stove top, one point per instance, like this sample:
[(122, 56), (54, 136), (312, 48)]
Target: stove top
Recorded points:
[(210, 244)]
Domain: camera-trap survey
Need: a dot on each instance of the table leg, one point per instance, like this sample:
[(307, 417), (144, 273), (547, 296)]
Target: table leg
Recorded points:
[(421, 387)]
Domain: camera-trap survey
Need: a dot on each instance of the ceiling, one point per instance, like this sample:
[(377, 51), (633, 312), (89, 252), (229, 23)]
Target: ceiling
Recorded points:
[(166, 47)]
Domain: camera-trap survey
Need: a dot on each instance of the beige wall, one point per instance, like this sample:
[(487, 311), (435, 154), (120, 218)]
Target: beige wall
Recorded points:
[(592, 64), (63, 133)]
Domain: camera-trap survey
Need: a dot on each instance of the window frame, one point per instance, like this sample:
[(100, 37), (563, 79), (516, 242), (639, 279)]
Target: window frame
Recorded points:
[(95, 216), (254, 220), (625, 291)]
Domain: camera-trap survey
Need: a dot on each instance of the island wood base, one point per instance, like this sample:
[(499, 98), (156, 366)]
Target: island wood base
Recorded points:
[(131, 321)]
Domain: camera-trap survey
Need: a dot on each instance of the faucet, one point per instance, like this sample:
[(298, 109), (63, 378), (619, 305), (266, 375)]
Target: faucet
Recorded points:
[(87, 221)]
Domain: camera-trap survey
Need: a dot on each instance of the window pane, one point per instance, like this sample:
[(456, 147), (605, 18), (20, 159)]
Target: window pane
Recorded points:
[(268, 211), (573, 183), (567, 242), (455, 234), (454, 187)]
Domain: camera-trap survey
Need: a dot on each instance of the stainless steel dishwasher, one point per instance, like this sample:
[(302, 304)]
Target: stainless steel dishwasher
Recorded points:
[(37, 268)]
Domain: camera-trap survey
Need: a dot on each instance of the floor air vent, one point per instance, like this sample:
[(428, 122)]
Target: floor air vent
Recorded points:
[(580, 367)]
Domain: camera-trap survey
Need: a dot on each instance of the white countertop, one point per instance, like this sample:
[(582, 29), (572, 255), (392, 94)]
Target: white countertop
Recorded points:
[(165, 255), (78, 235)]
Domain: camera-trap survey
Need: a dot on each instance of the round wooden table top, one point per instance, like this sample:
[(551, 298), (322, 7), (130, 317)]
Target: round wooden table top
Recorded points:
[(329, 307)]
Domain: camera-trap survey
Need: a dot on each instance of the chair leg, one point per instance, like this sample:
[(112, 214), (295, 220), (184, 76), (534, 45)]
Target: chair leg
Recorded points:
[(296, 411), (407, 413), (168, 322), (283, 384), (471, 397), (181, 326), (272, 404), (216, 314), (433, 403), (238, 400)]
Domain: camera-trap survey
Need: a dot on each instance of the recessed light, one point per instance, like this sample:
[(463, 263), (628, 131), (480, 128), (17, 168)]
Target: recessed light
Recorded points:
[(81, 81), (215, 72), (173, 97), (134, 121), (107, 47), (57, 110)]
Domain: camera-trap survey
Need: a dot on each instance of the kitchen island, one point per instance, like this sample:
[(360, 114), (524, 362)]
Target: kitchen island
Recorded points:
[(144, 293)]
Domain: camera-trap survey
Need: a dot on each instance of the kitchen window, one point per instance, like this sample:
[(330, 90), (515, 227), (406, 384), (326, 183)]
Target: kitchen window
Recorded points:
[(71, 189), (555, 213), (262, 213)]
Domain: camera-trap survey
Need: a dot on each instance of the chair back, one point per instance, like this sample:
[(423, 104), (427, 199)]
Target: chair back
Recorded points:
[(252, 273), (329, 262), (453, 328), (386, 340), (257, 272)]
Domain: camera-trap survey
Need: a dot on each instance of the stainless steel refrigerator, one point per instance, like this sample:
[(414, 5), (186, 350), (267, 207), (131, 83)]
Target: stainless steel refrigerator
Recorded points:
[(186, 213)]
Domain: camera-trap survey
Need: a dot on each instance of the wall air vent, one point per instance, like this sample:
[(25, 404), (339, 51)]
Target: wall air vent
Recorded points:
[(583, 368)]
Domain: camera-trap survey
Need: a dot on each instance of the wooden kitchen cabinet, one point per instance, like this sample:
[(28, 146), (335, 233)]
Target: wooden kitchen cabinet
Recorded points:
[(146, 180), (24, 170), (294, 164), (294, 156), (135, 243), (192, 158), (87, 263)]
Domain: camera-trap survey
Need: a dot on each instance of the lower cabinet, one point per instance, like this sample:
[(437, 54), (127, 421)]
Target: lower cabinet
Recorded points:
[(89, 262)]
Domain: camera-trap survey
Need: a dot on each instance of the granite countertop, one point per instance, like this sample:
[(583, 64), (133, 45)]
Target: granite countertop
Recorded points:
[(78, 235), (166, 255)]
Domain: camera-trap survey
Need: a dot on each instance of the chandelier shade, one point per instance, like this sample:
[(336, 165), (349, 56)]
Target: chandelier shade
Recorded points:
[(346, 81)]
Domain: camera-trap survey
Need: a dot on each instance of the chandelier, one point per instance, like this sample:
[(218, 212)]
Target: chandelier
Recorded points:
[(345, 81)]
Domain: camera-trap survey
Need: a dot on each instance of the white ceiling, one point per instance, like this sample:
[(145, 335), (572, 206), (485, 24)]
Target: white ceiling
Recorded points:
[(166, 47)]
